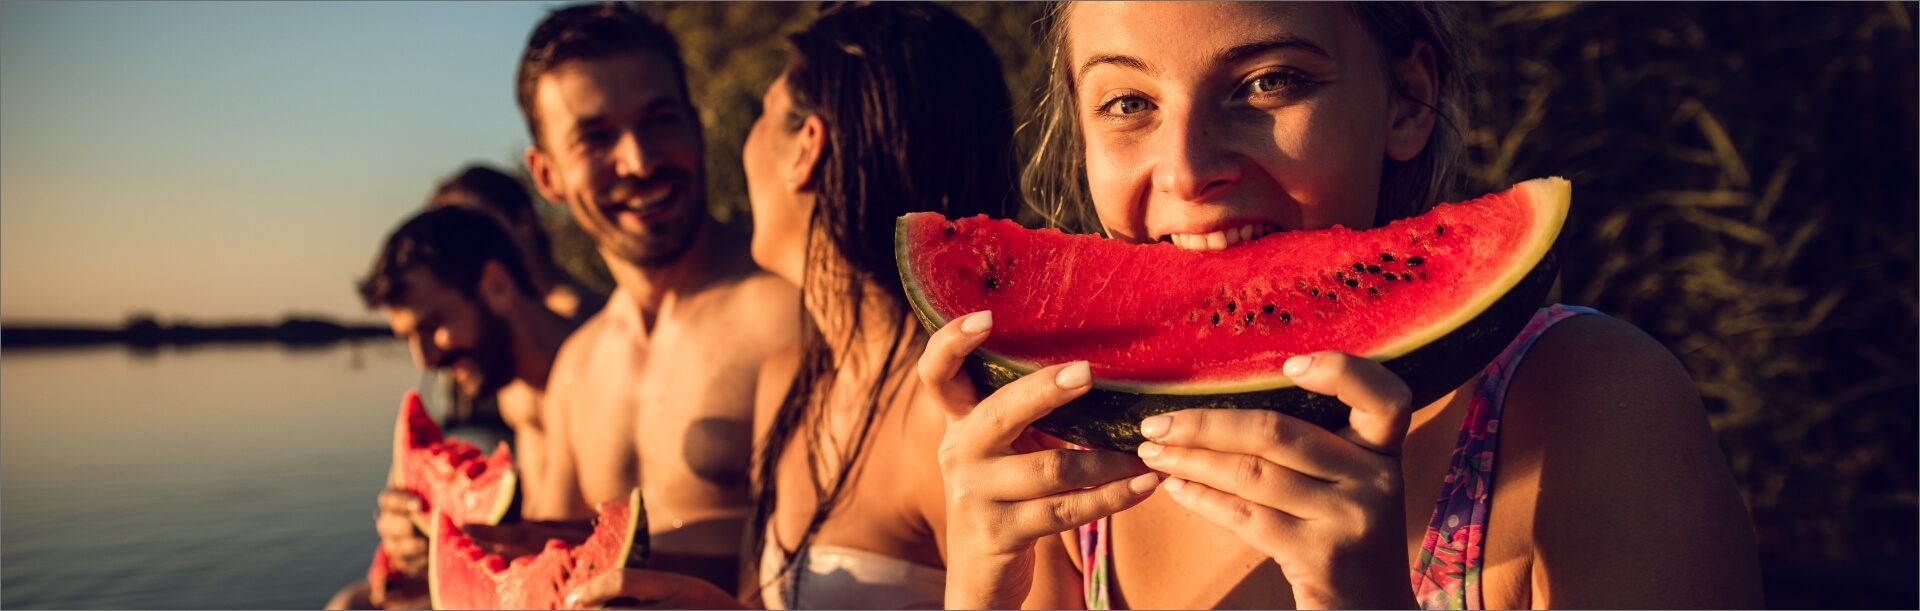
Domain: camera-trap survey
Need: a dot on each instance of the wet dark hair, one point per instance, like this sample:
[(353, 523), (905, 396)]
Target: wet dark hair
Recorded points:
[(1056, 179), (486, 187), (454, 244), (918, 118), (591, 32)]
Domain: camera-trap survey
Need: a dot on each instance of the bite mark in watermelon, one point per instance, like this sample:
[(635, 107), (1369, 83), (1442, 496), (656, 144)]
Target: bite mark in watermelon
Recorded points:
[(450, 475), (1434, 298), (462, 576)]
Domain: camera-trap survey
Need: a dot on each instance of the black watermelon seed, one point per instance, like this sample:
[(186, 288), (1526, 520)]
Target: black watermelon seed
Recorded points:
[(1286, 316), (1268, 308), (1389, 276), (1333, 297), (1230, 307), (1249, 318), (1353, 283), (1216, 319), (1440, 229), (1386, 257), (992, 283), (1340, 275), (1416, 261), (1373, 269), (1375, 291), (1358, 267), (1316, 292), (948, 230)]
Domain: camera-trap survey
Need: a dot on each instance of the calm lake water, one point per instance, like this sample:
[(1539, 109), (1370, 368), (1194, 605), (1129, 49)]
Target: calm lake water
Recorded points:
[(208, 477)]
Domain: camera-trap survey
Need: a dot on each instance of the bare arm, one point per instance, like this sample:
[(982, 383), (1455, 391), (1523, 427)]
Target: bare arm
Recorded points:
[(1636, 507)]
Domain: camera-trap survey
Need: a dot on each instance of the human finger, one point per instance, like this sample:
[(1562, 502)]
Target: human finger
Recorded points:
[(645, 589), (1072, 509), (1247, 476), (398, 500), (946, 351), (1257, 525), (1276, 437), (1381, 402), (1005, 415), (1048, 472)]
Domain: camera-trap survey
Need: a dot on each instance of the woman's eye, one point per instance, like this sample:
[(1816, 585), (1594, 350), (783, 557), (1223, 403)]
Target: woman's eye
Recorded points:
[(1272, 82), (1125, 105)]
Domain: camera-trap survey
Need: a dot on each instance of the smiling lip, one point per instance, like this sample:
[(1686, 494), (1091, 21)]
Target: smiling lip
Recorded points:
[(1223, 238)]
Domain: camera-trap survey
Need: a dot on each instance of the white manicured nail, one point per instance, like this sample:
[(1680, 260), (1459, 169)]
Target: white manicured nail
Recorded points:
[(978, 323), (1074, 376), (1297, 365), (1144, 483)]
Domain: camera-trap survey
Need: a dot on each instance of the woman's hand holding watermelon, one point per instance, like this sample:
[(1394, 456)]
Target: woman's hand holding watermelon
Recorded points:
[(1327, 507), (1006, 485)]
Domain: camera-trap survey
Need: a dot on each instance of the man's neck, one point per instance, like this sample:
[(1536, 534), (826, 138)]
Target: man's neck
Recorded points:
[(717, 252)]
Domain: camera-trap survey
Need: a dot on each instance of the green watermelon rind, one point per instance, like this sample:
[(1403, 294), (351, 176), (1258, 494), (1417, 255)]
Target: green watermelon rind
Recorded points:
[(1432, 364)]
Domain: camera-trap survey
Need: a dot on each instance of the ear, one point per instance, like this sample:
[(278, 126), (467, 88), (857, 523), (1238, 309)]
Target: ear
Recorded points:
[(1411, 121), (545, 177), (806, 162), (497, 288)]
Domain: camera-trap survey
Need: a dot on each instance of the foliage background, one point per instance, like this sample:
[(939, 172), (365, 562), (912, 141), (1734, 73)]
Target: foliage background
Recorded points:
[(1745, 192)]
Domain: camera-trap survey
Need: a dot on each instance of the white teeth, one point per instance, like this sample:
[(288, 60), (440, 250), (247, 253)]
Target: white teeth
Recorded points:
[(1220, 240)]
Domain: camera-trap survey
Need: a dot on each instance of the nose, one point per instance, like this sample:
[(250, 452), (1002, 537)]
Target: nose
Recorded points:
[(632, 157), (1195, 161)]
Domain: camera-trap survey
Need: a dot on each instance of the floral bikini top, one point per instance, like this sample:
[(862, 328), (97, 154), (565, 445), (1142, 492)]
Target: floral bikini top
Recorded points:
[(1447, 576)]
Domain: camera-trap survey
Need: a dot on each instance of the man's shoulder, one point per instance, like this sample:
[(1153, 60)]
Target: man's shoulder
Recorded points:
[(755, 305)]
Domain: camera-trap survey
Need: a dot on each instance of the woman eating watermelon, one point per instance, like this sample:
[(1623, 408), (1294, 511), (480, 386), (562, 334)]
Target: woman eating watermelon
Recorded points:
[(884, 109), (1575, 470)]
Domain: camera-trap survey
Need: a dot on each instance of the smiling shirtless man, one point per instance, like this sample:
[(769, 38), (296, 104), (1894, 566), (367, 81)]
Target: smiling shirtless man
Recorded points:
[(657, 389)]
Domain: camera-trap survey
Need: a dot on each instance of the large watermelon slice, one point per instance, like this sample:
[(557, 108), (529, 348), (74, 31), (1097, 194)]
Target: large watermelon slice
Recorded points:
[(462, 576), (1434, 297), (450, 476)]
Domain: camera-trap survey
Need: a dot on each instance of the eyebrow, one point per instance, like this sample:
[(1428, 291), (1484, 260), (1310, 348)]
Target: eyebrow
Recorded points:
[(1243, 51), (1234, 54)]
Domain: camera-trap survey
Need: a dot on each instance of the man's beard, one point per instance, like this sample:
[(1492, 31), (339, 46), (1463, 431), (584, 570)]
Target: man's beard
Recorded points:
[(492, 354), (667, 242)]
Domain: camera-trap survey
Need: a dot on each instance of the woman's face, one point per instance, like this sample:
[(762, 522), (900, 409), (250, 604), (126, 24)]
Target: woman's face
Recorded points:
[(780, 207), (1208, 124)]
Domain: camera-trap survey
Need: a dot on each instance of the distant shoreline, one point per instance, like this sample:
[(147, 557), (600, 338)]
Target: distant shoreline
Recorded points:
[(144, 332)]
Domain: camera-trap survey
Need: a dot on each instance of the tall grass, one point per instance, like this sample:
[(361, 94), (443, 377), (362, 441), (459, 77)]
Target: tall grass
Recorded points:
[(1744, 190)]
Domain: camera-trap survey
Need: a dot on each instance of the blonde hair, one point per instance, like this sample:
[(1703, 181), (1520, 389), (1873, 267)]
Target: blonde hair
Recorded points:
[(1054, 184)]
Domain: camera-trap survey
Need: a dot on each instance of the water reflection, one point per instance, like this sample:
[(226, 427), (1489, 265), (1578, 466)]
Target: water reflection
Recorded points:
[(192, 477)]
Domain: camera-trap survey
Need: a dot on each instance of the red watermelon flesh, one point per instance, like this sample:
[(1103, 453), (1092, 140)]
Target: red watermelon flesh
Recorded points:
[(462, 576), (1157, 319), (450, 475)]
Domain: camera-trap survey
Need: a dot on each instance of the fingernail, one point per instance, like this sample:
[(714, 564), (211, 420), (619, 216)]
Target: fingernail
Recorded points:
[(1297, 365), (572, 602), (978, 323), (1150, 450), (1074, 376), (1156, 427), (1144, 483), (1174, 484)]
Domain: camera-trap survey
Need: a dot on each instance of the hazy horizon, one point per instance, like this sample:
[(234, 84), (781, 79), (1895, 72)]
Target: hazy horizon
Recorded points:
[(203, 161)]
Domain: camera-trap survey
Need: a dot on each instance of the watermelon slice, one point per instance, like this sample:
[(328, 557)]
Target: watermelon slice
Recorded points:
[(1434, 297), (462, 576), (450, 476)]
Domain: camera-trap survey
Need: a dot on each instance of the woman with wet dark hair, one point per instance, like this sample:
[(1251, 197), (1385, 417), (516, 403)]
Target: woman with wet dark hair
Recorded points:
[(883, 109)]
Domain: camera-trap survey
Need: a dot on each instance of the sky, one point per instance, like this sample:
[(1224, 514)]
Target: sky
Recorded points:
[(214, 161)]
